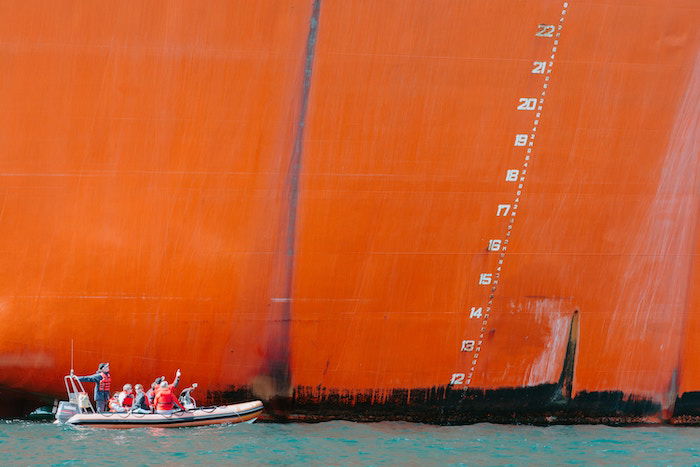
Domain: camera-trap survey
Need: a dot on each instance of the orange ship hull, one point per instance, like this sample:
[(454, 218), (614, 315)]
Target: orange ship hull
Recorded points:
[(359, 209)]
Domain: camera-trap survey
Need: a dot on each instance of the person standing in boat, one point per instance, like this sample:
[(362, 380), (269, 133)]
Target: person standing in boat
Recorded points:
[(103, 383)]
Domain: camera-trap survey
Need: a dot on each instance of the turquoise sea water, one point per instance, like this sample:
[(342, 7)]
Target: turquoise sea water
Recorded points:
[(346, 443)]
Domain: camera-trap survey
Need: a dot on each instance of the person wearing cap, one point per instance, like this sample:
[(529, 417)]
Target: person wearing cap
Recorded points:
[(103, 383), (151, 393)]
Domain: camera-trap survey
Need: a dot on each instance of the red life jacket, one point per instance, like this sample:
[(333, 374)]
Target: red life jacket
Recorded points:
[(105, 382), (165, 399), (128, 400)]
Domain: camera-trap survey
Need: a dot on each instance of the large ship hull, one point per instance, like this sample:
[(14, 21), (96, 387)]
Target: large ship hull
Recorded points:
[(425, 210)]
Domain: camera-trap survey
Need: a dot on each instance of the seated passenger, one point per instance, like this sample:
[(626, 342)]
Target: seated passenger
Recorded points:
[(141, 404), (114, 405), (165, 400), (186, 398), (155, 386), (126, 397), (151, 393)]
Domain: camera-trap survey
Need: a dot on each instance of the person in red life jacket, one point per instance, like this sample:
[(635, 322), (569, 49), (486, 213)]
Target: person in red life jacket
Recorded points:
[(155, 387), (165, 399), (141, 404), (126, 397), (103, 383), (114, 405)]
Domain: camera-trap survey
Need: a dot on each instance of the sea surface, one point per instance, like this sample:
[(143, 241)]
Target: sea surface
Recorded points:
[(346, 443)]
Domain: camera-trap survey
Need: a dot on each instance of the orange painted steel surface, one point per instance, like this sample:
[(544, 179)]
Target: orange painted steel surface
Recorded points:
[(408, 145), (143, 150), (175, 193)]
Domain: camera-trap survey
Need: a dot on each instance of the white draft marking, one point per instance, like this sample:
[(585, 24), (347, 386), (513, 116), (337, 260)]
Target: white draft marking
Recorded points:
[(521, 139)]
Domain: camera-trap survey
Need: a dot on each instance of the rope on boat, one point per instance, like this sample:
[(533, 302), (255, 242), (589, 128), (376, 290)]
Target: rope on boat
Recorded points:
[(119, 414), (208, 409)]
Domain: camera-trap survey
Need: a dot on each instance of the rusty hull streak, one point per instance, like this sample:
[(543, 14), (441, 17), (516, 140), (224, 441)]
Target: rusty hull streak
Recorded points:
[(278, 345)]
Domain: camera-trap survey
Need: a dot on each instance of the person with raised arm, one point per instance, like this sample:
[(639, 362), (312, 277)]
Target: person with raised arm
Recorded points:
[(178, 373), (155, 386), (165, 400), (186, 398)]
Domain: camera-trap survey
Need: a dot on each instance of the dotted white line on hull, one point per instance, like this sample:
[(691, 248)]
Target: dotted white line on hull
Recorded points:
[(527, 140)]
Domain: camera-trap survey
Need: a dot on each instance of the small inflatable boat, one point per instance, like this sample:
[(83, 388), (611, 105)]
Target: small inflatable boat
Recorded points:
[(78, 411), (246, 412)]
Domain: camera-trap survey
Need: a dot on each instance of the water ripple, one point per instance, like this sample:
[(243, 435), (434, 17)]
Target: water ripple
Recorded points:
[(346, 443)]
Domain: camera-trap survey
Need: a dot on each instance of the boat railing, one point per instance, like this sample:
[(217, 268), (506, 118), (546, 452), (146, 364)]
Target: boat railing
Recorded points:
[(77, 394)]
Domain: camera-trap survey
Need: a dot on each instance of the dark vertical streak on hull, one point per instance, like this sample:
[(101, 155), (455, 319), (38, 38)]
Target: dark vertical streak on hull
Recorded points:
[(277, 351), (566, 379)]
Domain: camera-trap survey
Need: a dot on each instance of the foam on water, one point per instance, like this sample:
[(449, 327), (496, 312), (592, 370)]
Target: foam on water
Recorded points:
[(344, 443)]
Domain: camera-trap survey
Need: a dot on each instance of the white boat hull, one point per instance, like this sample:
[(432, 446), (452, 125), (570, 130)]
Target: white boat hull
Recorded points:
[(246, 412)]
